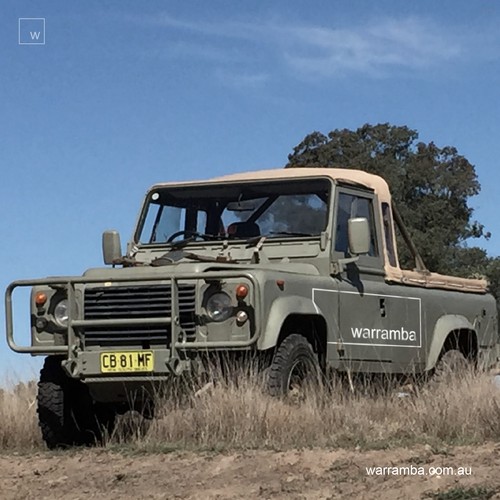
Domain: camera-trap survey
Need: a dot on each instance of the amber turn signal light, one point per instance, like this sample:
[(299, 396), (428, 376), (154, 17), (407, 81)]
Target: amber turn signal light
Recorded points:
[(40, 299), (241, 291)]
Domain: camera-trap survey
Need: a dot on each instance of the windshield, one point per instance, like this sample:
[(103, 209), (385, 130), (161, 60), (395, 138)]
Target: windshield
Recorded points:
[(235, 211)]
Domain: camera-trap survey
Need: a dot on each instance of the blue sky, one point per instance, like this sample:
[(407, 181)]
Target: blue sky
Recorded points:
[(124, 94)]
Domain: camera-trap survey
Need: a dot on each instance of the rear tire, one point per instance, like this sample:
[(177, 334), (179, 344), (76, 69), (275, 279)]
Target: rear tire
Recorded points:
[(67, 414), (294, 365), (451, 365)]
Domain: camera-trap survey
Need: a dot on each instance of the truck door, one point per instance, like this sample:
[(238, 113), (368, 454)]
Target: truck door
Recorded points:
[(379, 325)]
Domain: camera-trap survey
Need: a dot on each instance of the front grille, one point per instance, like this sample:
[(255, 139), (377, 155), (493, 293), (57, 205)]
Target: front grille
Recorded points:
[(136, 302)]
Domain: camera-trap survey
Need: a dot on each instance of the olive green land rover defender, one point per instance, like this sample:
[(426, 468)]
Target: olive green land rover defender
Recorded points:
[(299, 265)]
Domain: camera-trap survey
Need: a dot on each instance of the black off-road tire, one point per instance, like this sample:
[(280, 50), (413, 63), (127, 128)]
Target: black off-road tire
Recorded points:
[(67, 414), (50, 400), (294, 362), (451, 365)]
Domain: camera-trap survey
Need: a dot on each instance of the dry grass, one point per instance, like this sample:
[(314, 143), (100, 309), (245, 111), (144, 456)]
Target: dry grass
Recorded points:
[(236, 413), (18, 427)]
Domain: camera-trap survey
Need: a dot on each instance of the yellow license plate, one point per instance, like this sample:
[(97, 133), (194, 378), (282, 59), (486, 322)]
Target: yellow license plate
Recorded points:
[(129, 361)]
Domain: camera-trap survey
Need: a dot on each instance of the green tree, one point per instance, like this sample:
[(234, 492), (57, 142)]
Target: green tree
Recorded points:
[(430, 185), (493, 274)]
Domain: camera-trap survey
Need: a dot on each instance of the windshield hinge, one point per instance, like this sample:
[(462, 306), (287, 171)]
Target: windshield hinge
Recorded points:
[(323, 240), (258, 256)]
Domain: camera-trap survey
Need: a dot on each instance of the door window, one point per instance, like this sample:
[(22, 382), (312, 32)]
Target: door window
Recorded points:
[(348, 207)]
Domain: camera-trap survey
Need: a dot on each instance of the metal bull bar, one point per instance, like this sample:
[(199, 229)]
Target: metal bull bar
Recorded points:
[(68, 283)]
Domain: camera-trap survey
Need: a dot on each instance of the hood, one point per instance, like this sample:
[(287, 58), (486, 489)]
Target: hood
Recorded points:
[(197, 267)]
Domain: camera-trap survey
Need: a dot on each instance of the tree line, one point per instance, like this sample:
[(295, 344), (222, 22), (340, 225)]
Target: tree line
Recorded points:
[(431, 186)]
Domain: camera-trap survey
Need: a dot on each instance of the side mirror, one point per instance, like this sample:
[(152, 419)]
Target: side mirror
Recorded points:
[(111, 246), (358, 231)]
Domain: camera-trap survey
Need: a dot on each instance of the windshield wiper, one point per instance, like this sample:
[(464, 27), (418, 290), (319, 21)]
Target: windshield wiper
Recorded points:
[(287, 233), (258, 243), (255, 241), (182, 243), (192, 237)]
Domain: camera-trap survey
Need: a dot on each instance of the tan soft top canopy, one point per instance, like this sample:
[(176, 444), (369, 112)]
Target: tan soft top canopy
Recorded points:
[(380, 187), (337, 174)]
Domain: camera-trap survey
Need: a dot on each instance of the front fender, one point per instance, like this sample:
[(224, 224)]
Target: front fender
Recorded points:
[(444, 326), (280, 309)]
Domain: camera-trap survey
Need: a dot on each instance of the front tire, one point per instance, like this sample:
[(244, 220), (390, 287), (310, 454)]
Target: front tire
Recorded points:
[(67, 414), (294, 365)]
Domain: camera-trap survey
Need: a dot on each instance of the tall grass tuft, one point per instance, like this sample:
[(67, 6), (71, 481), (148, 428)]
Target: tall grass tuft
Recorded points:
[(19, 427)]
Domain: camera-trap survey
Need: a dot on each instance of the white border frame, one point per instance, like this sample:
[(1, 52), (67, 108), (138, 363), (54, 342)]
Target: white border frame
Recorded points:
[(30, 19), (419, 346)]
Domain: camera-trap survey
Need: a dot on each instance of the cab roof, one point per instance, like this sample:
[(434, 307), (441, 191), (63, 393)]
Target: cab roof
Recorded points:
[(342, 175)]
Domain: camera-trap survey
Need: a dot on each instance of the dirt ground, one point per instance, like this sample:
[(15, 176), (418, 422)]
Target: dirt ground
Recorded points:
[(300, 474)]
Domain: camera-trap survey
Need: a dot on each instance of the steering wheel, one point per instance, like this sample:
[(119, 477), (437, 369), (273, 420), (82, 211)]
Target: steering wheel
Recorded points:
[(188, 234)]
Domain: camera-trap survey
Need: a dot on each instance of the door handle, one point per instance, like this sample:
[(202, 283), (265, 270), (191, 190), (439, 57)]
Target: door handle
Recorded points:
[(382, 308)]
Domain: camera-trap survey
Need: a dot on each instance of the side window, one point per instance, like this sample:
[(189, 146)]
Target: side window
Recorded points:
[(389, 240), (349, 206)]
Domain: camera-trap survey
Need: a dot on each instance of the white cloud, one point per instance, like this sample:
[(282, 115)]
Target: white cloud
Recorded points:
[(374, 49), (230, 29), (241, 79), (379, 48), (180, 49)]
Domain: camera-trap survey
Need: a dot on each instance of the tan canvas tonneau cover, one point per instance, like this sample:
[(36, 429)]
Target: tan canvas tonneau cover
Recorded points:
[(435, 280)]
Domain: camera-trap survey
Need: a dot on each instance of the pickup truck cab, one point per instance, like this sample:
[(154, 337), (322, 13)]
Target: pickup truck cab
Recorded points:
[(297, 265)]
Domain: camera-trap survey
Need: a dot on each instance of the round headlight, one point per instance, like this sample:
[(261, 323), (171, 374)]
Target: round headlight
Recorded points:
[(219, 307), (61, 313)]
